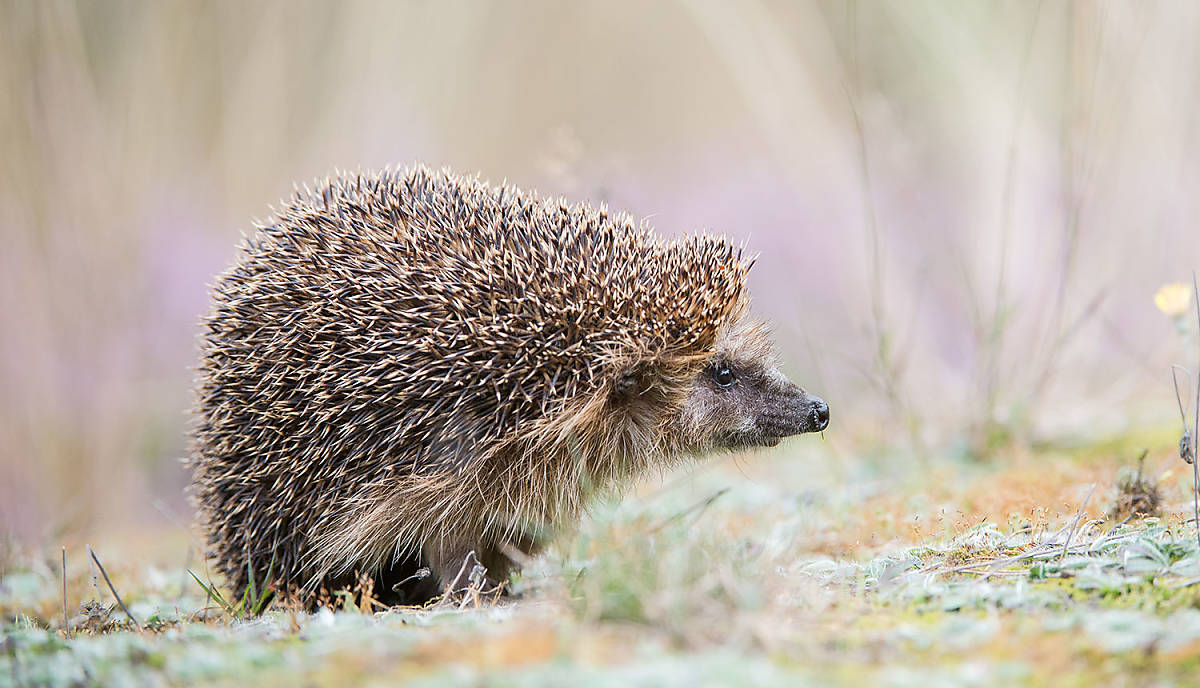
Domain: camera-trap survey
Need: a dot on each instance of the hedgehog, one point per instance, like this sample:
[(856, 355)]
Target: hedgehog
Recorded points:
[(418, 379)]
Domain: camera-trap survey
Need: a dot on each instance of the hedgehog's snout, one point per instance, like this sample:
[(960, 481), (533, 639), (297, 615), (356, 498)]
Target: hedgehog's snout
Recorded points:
[(796, 413), (818, 417)]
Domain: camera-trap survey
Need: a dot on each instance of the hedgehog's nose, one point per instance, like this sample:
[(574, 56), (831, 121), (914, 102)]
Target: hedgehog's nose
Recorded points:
[(819, 415)]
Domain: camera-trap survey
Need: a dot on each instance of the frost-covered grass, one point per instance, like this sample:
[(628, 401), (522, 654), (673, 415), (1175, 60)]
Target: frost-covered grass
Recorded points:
[(825, 571)]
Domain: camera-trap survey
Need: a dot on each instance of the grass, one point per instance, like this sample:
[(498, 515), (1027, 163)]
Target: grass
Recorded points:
[(757, 573)]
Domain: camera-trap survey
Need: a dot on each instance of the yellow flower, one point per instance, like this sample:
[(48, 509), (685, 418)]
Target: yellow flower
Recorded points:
[(1173, 299)]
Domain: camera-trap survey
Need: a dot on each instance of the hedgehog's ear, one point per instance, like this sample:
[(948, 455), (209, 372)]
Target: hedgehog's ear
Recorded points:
[(632, 382)]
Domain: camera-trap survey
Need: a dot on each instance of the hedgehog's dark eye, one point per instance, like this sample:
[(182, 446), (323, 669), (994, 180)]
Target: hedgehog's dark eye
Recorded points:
[(723, 375)]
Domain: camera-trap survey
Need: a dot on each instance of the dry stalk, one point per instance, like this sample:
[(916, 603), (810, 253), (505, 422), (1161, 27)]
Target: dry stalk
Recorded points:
[(112, 589), (66, 617), (1075, 523), (1196, 420)]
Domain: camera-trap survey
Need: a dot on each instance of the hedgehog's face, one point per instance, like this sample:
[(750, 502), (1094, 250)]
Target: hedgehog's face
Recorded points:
[(739, 399)]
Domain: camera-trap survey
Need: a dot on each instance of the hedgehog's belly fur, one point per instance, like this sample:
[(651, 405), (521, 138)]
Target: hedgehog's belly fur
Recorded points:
[(410, 539)]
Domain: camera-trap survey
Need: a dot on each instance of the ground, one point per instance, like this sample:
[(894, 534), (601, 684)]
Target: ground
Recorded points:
[(811, 565)]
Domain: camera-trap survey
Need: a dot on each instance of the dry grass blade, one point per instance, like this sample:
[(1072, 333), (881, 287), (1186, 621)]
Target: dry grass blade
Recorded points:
[(1196, 419), (66, 617), (697, 508), (1075, 523), (1048, 549), (112, 589), (1185, 442)]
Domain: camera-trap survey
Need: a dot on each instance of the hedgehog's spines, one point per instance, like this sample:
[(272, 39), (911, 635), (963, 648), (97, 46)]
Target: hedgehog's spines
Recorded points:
[(398, 358)]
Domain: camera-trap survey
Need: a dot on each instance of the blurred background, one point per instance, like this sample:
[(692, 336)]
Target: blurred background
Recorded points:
[(963, 210)]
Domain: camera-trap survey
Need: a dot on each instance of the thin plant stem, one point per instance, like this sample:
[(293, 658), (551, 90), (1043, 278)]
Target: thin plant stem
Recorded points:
[(1196, 417), (66, 617), (1075, 523), (112, 589), (1178, 397)]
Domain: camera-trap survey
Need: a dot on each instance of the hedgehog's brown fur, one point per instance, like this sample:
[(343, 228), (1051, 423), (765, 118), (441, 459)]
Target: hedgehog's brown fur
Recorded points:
[(408, 366)]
